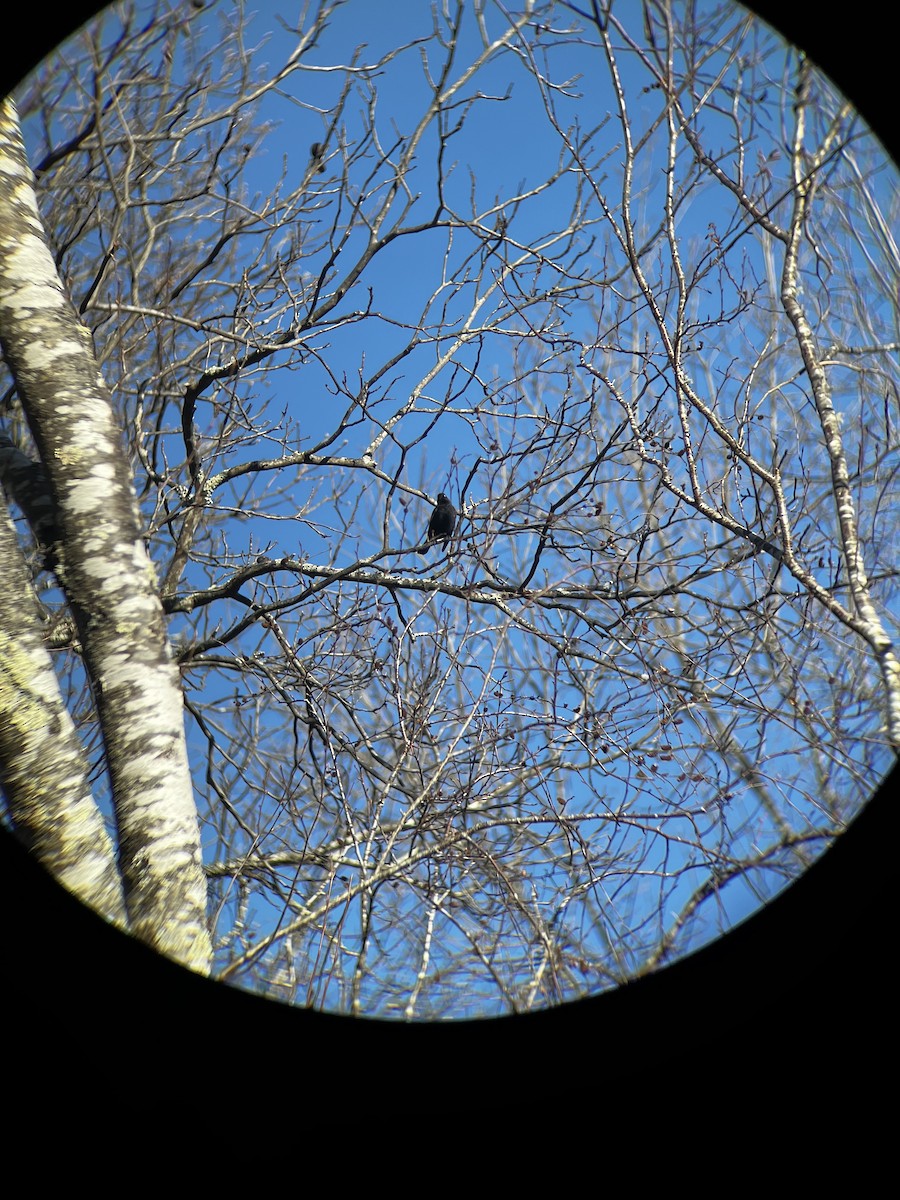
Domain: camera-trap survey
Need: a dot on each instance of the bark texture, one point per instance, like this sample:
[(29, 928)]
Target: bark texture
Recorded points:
[(107, 575), (42, 768)]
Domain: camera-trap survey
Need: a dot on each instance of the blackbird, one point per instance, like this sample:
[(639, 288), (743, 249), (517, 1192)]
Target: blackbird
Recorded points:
[(442, 523), (316, 154)]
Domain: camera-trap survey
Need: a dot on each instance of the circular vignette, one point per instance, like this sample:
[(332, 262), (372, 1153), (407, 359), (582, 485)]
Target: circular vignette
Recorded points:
[(818, 938)]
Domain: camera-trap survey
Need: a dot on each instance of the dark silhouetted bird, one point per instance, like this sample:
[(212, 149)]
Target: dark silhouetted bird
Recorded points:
[(442, 523), (316, 154)]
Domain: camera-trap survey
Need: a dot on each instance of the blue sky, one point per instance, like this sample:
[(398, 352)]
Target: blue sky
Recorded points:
[(507, 147)]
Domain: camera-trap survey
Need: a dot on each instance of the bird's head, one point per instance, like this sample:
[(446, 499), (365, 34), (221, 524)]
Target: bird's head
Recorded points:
[(442, 498)]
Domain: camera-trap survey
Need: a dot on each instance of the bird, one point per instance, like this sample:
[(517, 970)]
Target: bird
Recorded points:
[(316, 154), (442, 523)]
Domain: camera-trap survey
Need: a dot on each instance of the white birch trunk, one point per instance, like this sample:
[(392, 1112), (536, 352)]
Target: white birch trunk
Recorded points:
[(106, 573), (43, 771), (872, 626)]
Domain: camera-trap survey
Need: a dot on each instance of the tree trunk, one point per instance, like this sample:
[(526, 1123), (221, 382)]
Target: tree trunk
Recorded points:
[(42, 768), (106, 573)]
